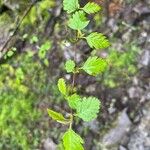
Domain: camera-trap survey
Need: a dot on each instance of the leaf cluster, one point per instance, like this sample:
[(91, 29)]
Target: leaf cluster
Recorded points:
[(85, 108)]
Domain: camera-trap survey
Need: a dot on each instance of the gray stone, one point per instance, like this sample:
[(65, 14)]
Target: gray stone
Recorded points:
[(122, 148), (126, 36), (117, 134), (48, 144), (93, 125), (140, 136), (135, 92), (145, 58), (91, 88), (112, 24)]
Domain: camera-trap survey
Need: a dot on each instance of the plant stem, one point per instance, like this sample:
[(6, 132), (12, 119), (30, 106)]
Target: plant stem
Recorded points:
[(71, 118), (73, 81), (74, 74)]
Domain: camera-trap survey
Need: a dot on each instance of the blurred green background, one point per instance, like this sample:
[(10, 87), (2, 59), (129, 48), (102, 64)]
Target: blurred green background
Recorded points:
[(35, 60)]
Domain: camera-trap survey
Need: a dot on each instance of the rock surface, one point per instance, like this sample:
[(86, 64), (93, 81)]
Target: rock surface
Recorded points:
[(48, 144), (116, 135), (140, 136)]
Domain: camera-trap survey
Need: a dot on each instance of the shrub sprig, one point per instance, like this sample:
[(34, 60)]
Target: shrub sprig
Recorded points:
[(86, 108)]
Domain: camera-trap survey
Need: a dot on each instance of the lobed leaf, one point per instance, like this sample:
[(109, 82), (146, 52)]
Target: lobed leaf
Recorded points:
[(91, 8), (94, 65), (97, 40), (70, 66), (88, 108), (57, 116), (73, 100), (72, 141), (62, 86), (70, 5), (78, 21)]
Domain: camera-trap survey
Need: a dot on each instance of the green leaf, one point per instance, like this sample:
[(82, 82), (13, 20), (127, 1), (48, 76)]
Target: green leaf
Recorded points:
[(72, 141), (94, 65), (91, 7), (46, 62), (78, 21), (70, 66), (97, 40), (10, 53), (88, 108), (34, 39), (44, 49), (62, 86), (25, 36), (70, 5), (57, 116), (73, 100)]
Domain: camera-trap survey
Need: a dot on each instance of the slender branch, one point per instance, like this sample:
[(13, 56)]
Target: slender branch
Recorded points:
[(75, 59), (17, 27), (73, 79), (74, 74)]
